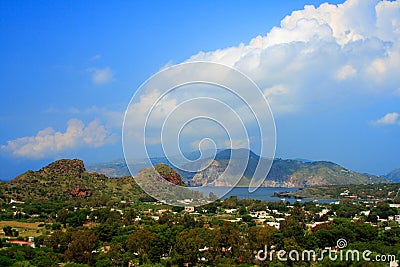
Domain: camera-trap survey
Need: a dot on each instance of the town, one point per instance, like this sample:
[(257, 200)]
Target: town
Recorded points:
[(224, 233)]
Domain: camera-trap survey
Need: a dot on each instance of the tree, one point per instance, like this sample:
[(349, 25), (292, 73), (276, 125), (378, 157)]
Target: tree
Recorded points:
[(77, 218), (166, 219), (383, 210), (391, 237), (188, 221), (188, 244), (243, 211), (372, 217), (291, 227), (364, 232), (325, 238), (257, 238), (346, 210), (129, 216), (166, 237), (116, 255), (231, 202), (62, 216), (298, 213), (141, 241), (177, 209), (7, 231), (81, 247), (56, 226), (5, 261), (106, 231), (226, 242), (58, 241), (45, 260)]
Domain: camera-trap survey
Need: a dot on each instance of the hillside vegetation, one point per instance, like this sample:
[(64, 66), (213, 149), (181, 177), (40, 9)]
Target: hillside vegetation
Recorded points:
[(389, 192), (66, 180)]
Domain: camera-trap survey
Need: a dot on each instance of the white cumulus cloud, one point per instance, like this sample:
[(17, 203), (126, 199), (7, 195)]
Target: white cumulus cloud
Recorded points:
[(317, 60), (316, 49), (388, 119), (48, 142)]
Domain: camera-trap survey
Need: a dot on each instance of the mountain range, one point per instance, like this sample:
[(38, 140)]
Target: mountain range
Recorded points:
[(68, 180), (283, 173)]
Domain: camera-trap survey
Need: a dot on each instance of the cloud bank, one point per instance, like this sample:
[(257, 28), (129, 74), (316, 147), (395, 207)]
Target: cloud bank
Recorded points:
[(319, 59), (49, 142), (319, 54)]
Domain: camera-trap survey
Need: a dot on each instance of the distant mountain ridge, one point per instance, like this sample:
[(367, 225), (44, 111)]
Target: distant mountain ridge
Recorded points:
[(394, 175), (283, 173), (118, 168), (287, 173), (68, 180)]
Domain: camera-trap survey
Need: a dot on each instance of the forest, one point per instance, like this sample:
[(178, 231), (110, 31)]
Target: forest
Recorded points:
[(227, 232)]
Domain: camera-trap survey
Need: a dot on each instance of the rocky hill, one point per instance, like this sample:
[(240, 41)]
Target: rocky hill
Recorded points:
[(69, 167), (208, 175), (285, 173), (65, 180), (291, 173), (168, 174)]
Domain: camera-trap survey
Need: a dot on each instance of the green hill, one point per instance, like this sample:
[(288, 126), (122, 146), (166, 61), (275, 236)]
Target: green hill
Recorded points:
[(68, 180)]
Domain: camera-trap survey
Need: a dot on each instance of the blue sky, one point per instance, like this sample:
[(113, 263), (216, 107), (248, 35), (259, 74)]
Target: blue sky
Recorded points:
[(69, 69)]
